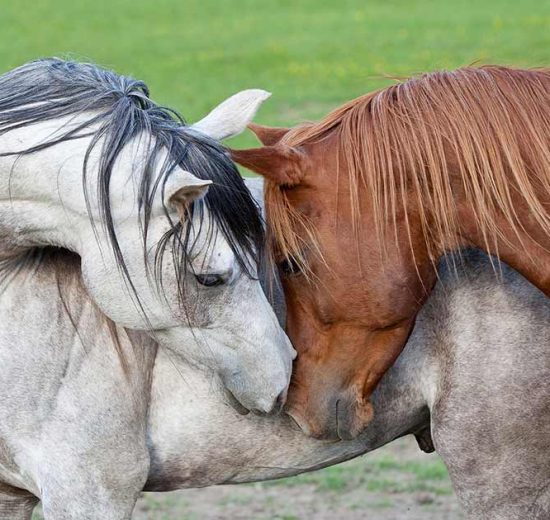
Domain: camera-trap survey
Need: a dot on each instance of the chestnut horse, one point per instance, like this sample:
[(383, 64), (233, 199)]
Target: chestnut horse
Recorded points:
[(361, 205)]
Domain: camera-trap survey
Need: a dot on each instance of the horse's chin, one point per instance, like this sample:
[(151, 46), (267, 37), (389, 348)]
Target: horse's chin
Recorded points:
[(299, 422), (352, 421)]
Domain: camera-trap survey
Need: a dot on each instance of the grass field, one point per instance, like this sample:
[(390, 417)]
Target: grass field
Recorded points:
[(313, 55)]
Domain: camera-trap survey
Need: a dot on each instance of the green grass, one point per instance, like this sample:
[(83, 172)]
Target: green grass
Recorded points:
[(312, 54), (375, 473)]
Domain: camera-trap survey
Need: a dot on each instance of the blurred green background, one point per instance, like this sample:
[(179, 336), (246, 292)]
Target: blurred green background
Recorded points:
[(312, 54)]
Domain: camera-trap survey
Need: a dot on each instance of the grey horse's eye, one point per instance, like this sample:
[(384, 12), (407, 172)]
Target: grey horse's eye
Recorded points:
[(210, 280)]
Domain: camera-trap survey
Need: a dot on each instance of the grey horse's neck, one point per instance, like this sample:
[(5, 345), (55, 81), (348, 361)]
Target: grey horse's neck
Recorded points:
[(197, 439)]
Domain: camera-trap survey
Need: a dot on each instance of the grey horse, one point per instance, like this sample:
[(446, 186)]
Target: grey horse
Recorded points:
[(92, 413)]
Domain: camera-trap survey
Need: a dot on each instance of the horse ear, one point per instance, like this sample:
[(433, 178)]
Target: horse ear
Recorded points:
[(231, 117), (181, 188), (280, 164), (268, 135)]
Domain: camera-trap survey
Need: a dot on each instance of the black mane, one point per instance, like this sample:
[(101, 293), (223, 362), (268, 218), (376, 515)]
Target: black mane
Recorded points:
[(120, 110)]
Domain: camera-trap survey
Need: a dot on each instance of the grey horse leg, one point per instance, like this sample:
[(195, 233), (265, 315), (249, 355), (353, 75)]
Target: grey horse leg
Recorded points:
[(500, 470), (86, 489), (92, 504), (16, 504)]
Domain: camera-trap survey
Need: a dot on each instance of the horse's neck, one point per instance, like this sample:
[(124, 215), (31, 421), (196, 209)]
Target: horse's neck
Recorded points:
[(42, 199), (41, 192), (55, 345), (197, 439), (527, 250)]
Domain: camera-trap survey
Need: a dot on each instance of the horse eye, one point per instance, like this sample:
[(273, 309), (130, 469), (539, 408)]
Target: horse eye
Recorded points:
[(209, 280), (289, 267)]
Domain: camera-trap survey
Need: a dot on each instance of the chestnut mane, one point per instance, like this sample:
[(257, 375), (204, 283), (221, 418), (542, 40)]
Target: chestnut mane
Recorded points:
[(488, 126)]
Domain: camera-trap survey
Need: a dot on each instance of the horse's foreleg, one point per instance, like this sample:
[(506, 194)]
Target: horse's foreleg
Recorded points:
[(98, 485), (88, 504)]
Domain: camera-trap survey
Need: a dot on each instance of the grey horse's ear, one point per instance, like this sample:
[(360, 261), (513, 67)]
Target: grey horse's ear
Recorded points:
[(182, 188), (231, 117)]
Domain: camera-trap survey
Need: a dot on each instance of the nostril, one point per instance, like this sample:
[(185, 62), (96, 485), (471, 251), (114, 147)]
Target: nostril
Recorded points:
[(299, 422)]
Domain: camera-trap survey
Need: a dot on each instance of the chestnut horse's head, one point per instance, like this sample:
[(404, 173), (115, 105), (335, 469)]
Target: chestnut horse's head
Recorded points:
[(350, 302)]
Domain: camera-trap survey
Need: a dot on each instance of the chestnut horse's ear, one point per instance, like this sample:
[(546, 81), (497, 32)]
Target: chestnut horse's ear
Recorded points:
[(268, 135), (280, 164)]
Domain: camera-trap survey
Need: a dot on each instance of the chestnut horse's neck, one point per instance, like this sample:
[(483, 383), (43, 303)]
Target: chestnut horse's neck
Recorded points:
[(465, 155), (527, 251)]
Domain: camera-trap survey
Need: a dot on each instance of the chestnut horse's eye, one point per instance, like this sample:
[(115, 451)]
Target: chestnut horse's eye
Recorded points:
[(209, 280), (289, 267)]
